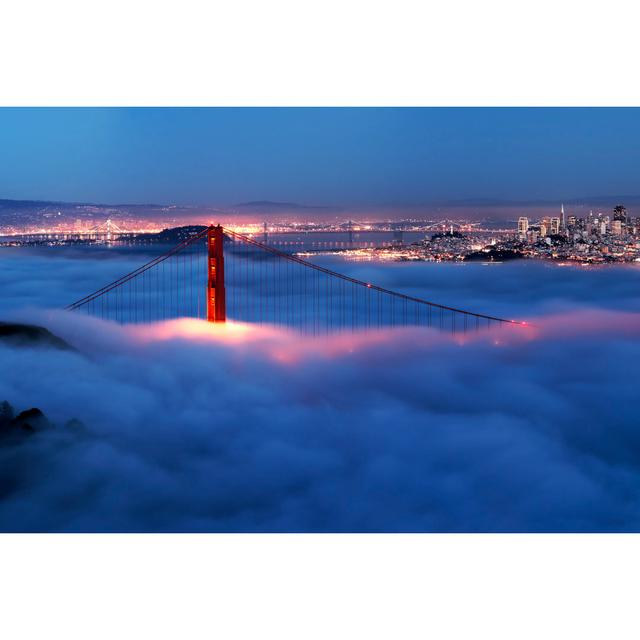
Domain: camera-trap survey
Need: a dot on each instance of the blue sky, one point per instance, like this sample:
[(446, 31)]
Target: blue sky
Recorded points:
[(341, 156)]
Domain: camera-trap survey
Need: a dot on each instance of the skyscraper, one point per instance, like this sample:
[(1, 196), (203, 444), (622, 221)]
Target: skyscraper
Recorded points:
[(563, 222), (620, 213), (544, 229), (523, 226)]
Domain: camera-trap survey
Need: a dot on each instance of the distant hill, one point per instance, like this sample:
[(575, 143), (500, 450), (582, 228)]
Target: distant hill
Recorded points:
[(268, 205), (34, 204), (255, 204), (173, 235), (496, 202), (31, 204)]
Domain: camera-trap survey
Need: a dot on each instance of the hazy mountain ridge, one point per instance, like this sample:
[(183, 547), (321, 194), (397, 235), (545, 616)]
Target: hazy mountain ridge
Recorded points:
[(292, 206), (270, 204), (30, 204), (496, 202)]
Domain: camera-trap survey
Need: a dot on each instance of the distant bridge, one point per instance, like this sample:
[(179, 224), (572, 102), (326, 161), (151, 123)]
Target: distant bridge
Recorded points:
[(218, 274), (106, 231)]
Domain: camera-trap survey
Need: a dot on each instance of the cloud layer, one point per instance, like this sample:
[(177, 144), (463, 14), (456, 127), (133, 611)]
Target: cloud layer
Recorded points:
[(194, 428)]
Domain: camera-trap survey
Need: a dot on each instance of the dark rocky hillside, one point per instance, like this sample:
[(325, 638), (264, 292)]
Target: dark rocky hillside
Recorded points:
[(29, 335), (27, 422)]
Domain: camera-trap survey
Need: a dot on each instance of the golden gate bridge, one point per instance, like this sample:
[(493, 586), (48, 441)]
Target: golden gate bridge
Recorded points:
[(217, 274)]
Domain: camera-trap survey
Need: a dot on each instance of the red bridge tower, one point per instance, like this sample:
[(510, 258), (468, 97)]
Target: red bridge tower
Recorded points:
[(216, 306)]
